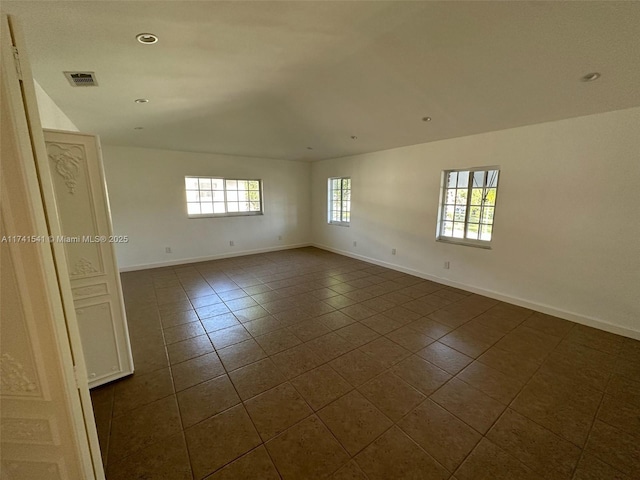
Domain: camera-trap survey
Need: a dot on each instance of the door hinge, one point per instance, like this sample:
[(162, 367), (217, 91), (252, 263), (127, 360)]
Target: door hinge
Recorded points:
[(16, 61)]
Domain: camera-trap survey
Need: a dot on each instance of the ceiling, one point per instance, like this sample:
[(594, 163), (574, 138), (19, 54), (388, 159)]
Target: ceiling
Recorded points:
[(270, 79)]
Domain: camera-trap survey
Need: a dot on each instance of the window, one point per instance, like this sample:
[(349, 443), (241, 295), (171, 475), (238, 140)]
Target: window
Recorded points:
[(211, 197), (340, 201), (468, 206)]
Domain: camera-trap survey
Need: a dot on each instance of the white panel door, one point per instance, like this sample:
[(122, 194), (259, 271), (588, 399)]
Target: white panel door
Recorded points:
[(82, 206), (47, 427)]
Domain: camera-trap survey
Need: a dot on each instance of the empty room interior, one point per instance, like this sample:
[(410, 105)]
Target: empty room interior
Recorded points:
[(314, 239)]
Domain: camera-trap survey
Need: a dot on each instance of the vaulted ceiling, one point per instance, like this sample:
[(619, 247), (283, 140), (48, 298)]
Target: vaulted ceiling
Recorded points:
[(298, 80)]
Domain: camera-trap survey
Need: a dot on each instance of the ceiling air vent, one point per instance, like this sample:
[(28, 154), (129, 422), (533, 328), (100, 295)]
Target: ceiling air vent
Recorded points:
[(81, 79)]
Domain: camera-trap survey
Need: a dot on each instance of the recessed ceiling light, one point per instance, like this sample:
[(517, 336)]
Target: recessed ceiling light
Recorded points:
[(138, 128), (309, 148), (426, 119), (353, 137), (590, 77), (147, 38), (141, 100)]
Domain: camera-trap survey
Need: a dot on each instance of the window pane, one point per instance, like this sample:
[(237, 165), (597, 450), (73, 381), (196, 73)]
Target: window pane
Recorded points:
[(448, 212), (193, 196), (193, 208), (217, 184), (346, 206), (463, 179), (191, 183), (207, 207), (485, 233), (458, 230), (336, 206), (346, 194), (254, 206), (206, 196), (451, 196), (243, 196), (232, 206), (460, 213), (243, 206), (478, 178), (335, 215), (487, 215), (232, 184), (218, 207), (476, 196), (232, 196), (461, 197), (204, 183), (492, 178), (253, 185), (472, 230), (474, 215), (346, 183), (218, 196), (243, 185), (447, 229), (452, 179), (335, 184), (490, 197)]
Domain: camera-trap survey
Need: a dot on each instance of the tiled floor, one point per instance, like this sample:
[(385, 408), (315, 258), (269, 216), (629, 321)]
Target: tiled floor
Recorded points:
[(303, 364)]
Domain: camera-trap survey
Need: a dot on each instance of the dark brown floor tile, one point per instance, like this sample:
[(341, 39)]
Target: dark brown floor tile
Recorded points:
[(206, 399), (309, 329), (429, 327), (357, 334), (336, 320), (188, 349), (340, 301), (241, 354), (469, 404), (196, 370), (465, 342), (171, 319), (529, 344), (321, 386), (218, 440), (488, 461), (567, 410), (354, 421), (440, 434), (627, 368), (140, 389), (256, 378), (598, 339), (615, 447), (549, 324), (590, 468), (446, 358), (143, 426), (296, 361), (229, 336), (358, 311), (183, 332), (220, 322), (330, 346), (250, 314), (509, 363), (381, 324), (395, 455), (357, 367), (420, 374), (212, 310), (277, 341), (276, 410), (391, 395), (401, 315), (488, 380), (351, 471), (205, 300), (535, 446), (263, 325), (385, 351), (620, 414), (306, 451), (167, 459), (252, 466), (149, 357), (409, 338), (630, 350), (624, 389)]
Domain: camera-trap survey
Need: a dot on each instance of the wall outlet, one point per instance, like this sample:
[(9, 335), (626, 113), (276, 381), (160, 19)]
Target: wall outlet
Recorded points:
[(279, 237), (393, 251), (231, 244), (446, 265), (167, 249)]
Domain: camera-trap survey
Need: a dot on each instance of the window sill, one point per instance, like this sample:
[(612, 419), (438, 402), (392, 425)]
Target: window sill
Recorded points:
[(339, 224), (465, 243), (218, 215)]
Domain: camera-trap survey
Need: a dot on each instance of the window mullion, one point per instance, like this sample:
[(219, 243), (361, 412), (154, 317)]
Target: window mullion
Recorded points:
[(468, 209)]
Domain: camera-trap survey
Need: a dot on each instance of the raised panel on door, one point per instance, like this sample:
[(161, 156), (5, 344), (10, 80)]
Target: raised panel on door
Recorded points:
[(83, 211)]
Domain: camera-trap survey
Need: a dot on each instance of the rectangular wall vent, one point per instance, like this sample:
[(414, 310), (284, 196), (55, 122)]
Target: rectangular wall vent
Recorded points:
[(81, 79)]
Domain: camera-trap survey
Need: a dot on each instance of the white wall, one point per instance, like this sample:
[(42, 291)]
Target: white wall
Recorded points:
[(51, 116), (567, 226), (146, 192)]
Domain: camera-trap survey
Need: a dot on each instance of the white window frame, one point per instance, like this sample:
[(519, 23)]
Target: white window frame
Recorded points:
[(440, 236), (330, 210), (225, 200)]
